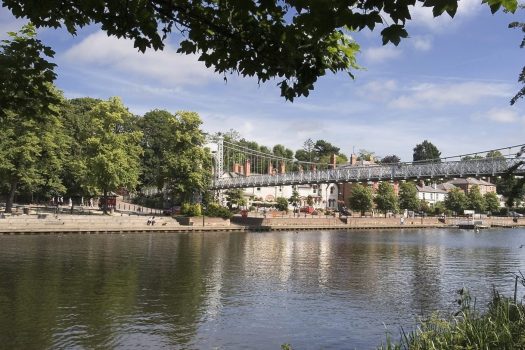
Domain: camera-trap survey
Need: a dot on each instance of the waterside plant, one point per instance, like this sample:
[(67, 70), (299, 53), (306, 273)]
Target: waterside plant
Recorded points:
[(500, 326)]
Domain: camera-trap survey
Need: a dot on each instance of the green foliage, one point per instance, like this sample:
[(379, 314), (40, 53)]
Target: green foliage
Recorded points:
[(174, 156), (501, 326), (511, 188), (408, 196), (26, 76), (78, 126), (494, 154), (456, 201), (366, 155), (297, 41), (282, 204), (439, 208), (113, 148), (32, 139), (386, 199), (281, 151), (190, 209), (294, 198), (235, 197), (309, 200), (426, 151), (475, 200), (424, 207), (392, 159), (360, 199), (216, 210), (491, 202)]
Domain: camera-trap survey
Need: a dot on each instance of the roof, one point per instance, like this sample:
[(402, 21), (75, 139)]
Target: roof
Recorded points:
[(446, 186), (469, 181), (430, 189)]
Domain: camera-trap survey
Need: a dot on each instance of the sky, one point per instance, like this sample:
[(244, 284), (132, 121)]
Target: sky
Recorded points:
[(450, 83)]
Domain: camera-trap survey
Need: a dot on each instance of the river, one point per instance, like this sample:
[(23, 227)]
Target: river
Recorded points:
[(314, 290)]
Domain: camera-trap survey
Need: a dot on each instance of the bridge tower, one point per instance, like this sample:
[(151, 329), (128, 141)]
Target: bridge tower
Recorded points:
[(219, 158)]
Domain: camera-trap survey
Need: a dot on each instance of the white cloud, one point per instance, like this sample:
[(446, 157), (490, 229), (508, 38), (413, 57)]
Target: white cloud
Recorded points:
[(382, 53), (167, 66), (423, 16), (421, 43), (503, 115), (434, 95)]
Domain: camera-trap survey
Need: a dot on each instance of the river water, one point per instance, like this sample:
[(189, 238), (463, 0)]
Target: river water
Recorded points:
[(314, 290)]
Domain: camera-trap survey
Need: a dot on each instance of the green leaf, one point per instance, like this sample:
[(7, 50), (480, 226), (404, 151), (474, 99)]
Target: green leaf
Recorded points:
[(393, 34)]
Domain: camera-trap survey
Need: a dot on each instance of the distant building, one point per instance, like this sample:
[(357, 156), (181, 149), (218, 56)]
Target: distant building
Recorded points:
[(431, 194), (467, 184)]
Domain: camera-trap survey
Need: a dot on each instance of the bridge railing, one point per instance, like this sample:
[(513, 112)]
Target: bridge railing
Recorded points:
[(399, 171)]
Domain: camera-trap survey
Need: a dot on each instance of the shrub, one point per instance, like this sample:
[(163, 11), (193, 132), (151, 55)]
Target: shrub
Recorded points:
[(215, 210), (282, 204), (189, 209)]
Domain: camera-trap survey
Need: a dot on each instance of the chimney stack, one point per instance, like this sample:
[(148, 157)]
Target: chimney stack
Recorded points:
[(247, 168), (282, 167), (333, 161), (270, 168), (353, 159)]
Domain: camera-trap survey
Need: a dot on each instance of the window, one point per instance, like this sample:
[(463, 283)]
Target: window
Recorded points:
[(258, 188), (332, 190)]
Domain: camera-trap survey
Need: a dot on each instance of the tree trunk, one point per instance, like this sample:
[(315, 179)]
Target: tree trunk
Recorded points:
[(11, 197), (105, 203)]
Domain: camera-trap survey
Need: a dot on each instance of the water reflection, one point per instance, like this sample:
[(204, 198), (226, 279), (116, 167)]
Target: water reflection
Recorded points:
[(234, 290)]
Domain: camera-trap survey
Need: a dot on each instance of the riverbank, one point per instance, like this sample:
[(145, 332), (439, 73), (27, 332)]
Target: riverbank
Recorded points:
[(120, 224)]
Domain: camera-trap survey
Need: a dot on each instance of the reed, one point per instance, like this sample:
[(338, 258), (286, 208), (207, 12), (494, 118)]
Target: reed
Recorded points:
[(500, 326)]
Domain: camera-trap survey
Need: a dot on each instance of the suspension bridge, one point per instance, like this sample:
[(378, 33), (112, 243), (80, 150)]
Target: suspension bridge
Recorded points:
[(238, 166)]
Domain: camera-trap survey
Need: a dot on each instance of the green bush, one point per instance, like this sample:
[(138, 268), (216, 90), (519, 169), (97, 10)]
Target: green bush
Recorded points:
[(282, 204), (189, 209), (217, 211)]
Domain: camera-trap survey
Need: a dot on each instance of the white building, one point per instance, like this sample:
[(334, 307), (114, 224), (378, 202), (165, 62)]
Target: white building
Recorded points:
[(431, 194)]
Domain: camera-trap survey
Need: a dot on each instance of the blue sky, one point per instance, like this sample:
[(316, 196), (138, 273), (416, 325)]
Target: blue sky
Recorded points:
[(449, 83)]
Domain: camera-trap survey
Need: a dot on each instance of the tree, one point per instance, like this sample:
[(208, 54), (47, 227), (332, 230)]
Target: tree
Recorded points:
[(309, 200), (174, 156), (426, 151), (113, 149), (294, 198), (281, 151), (323, 148), (512, 188), (386, 199), (31, 134), (235, 197), (475, 200), (366, 155), (27, 76), (308, 148), (392, 159), (456, 201), (491, 202), (282, 204), (76, 118), (408, 196), (360, 199), (494, 154), (186, 168), (298, 41)]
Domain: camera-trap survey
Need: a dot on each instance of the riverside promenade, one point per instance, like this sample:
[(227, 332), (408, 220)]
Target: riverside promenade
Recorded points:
[(120, 223)]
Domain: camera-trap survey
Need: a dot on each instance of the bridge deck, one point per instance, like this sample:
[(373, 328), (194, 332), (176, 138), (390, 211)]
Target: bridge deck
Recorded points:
[(388, 172)]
